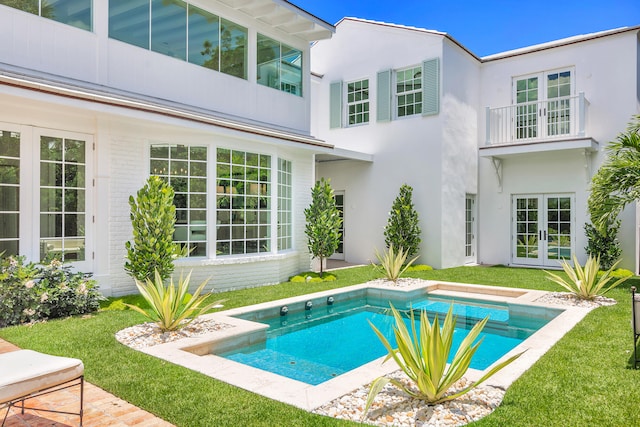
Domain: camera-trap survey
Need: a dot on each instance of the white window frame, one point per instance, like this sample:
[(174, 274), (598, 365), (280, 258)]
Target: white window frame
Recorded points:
[(356, 103), (417, 105)]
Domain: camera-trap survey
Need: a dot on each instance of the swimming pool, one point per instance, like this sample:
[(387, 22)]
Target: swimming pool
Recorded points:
[(247, 328), (314, 343)]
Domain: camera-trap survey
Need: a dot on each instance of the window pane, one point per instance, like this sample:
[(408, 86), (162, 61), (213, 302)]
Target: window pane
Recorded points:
[(268, 62), (30, 6), (169, 27), (73, 12), (129, 21), (204, 38), (233, 53)]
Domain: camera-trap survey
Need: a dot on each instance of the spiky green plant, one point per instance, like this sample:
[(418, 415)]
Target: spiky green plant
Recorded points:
[(393, 263), (423, 356), (585, 282), (172, 307)]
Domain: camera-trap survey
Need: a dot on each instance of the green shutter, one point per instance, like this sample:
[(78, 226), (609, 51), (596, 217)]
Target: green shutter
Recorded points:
[(335, 105), (431, 87), (384, 96)]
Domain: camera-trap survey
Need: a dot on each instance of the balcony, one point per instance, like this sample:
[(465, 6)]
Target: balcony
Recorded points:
[(555, 124)]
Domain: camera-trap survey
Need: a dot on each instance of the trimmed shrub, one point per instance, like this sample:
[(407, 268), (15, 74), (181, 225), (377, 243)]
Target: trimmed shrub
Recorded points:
[(603, 244), (312, 276), (419, 267), (402, 230)]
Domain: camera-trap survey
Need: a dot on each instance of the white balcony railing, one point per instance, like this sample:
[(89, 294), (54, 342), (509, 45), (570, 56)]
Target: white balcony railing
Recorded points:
[(553, 119)]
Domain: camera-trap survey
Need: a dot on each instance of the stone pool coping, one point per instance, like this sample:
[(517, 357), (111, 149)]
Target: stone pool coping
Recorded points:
[(194, 352)]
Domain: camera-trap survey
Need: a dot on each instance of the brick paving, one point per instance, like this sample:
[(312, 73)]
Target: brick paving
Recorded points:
[(101, 409)]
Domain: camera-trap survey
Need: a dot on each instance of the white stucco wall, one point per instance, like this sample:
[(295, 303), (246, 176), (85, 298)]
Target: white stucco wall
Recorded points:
[(436, 155), (605, 69)]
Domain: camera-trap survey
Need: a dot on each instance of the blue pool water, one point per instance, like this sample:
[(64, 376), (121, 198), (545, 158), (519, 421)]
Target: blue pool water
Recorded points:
[(315, 346)]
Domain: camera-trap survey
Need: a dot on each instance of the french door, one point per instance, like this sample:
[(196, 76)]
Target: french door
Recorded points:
[(543, 229), (543, 105)]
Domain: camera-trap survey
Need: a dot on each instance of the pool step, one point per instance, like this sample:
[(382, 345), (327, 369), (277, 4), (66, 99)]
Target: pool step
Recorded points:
[(464, 311)]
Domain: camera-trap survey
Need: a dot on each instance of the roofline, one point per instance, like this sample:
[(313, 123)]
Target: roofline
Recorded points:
[(508, 54), (416, 29), (308, 15), (558, 43), (129, 101)]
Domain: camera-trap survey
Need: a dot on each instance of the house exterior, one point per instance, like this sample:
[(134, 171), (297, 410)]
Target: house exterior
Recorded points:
[(499, 150), (213, 96)]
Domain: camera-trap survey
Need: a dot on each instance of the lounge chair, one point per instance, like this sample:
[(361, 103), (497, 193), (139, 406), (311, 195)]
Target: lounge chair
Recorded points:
[(25, 374), (635, 311)]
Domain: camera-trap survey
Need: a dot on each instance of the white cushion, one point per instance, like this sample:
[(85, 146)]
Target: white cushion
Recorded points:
[(24, 372), (636, 309)]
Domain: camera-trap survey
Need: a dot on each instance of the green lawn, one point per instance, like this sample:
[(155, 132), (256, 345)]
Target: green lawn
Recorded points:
[(585, 380)]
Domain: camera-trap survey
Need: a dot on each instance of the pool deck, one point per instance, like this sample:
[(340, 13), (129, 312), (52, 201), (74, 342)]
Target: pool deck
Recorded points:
[(195, 353)]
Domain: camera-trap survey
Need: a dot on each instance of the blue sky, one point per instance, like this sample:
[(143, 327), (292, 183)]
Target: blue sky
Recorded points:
[(488, 26)]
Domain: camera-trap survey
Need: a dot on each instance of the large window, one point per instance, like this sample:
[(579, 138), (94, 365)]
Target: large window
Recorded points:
[(185, 169), (285, 214), (279, 66), (409, 91), (62, 198), (9, 192), (180, 30), (243, 199), (72, 12), (358, 102)]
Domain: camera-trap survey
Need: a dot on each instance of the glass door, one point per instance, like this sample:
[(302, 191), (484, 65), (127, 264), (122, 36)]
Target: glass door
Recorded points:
[(543, 229), (339, 253), (470, 229), (64, 214), (526, 115)]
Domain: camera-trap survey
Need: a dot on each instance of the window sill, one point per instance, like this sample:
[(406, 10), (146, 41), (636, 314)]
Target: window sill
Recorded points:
[(235, 259)]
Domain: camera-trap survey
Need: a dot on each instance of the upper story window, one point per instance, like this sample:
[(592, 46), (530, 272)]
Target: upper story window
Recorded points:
[(409, 91), (180, 30), (415, 90), (358, 102), (279, 66), (77, 13)]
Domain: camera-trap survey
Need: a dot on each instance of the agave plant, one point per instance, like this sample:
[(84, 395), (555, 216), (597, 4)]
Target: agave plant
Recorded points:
[(585, 282), (423, 357), (393, 263), (172, 307)]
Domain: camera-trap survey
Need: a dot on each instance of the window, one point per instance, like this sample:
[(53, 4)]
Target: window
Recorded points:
[(358, 102), (62, 198), (416, 90), (285, 214), (279, 66), (243, 200), (409, 91), (180, 30), (76, 13), (185, 169), (9, 192)]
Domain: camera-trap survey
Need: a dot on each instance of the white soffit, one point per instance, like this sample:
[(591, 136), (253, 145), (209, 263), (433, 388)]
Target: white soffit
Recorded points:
[(285, 17)]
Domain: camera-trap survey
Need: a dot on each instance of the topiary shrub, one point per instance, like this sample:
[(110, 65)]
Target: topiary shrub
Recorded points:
[(419, 267), (402, 229), (153, 216), (323, 222)]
